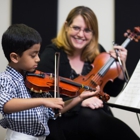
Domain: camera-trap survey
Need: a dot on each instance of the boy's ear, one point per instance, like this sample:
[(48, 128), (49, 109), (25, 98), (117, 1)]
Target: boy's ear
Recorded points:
[(14, 57)]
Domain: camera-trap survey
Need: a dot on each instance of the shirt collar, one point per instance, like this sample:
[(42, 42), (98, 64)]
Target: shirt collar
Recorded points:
[(14, 74)]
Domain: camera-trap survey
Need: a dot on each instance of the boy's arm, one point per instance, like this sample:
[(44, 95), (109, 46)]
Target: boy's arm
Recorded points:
[(70, 103), (16, 104), (85, 94)]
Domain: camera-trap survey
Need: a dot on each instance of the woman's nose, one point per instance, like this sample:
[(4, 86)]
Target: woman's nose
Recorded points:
[(81, 33)]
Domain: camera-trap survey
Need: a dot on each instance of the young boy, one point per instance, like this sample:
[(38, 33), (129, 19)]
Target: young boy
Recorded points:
[(24, 116)]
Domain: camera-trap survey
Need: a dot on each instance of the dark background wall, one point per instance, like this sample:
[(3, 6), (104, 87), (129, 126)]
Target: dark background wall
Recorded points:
[(127, 16), (38, 14)]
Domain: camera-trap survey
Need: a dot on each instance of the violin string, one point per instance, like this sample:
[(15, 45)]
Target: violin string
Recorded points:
[(96, 79), (126, 77), (92, 81)]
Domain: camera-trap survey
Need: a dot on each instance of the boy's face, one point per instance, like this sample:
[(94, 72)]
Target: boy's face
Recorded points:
[(29, 59)]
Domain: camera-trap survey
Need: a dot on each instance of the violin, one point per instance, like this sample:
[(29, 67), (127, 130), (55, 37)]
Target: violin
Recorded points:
[(44, 82), (106, 68)]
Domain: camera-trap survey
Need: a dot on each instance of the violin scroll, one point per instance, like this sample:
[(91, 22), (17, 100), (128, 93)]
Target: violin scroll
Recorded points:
[(133, 35), (103, 96)]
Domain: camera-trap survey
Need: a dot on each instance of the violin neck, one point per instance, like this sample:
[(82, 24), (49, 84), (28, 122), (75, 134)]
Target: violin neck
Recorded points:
[(126, 42), (105, 68)]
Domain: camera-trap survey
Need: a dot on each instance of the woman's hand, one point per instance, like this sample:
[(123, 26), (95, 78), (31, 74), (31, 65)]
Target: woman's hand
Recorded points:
[(90, 99), (122, 53), (93, 103)]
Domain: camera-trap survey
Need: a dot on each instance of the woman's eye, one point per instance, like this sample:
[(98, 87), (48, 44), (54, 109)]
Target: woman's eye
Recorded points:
[(76, 28), (87, 30)]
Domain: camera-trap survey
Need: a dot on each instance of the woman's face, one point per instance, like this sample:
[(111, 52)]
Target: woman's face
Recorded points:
[(78, 34)]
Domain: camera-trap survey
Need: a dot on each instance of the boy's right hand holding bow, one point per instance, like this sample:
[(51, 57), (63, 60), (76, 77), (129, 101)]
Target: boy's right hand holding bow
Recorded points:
[(53, 103)]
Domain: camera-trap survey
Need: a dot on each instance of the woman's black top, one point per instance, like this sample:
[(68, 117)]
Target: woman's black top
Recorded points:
[(47, 65), (83, 123)]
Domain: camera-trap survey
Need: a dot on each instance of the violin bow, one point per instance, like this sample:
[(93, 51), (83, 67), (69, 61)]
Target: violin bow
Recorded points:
[(56, 79)]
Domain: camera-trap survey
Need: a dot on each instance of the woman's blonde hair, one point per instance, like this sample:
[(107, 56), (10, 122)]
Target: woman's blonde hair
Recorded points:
[(91, 50)]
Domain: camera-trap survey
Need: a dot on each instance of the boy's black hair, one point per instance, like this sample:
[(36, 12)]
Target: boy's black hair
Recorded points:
[(19, 38)]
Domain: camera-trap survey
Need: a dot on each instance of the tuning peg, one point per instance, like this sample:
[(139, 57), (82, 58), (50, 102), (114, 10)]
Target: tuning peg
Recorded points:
[(40, 91), (127, 33), (32, 89), (136, 39)]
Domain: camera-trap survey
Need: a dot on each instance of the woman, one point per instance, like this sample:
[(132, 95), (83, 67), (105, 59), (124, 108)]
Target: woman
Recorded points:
[(78, 45)]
